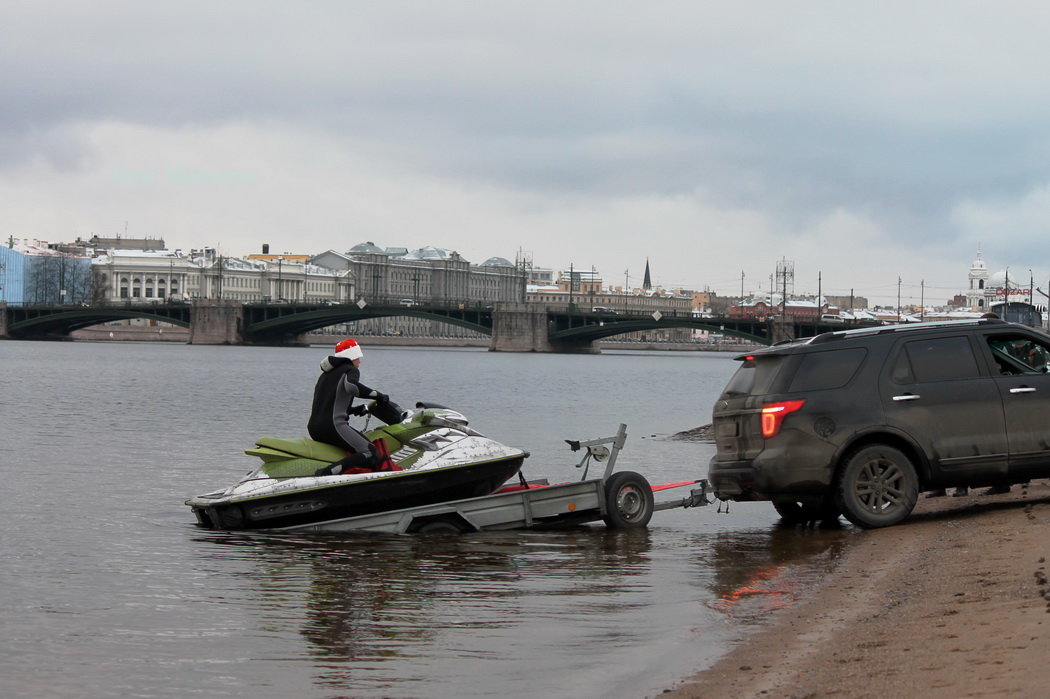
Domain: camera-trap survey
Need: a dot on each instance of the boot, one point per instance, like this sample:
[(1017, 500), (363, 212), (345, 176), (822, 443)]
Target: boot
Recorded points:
[(358, 462)]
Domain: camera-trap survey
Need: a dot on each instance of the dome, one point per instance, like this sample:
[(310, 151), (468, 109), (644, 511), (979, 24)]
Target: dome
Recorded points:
[(497, 262), (429, 252), (978, 264), (368, 248), (1018, 279)]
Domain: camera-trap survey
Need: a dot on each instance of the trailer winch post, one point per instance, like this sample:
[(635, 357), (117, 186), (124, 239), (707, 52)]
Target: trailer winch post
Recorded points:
[(617, 444), (596, 450)]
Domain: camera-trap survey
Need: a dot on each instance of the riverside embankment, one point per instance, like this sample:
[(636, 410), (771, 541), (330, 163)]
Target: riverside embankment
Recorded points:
[(951, 603)]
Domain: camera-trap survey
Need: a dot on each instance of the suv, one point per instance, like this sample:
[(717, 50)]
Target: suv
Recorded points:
[(858, 422)]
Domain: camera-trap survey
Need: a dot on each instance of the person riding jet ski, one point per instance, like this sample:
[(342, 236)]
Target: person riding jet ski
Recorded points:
[(334, 395)]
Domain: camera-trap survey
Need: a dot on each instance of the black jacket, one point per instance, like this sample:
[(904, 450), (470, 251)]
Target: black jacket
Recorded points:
[(334, 393)]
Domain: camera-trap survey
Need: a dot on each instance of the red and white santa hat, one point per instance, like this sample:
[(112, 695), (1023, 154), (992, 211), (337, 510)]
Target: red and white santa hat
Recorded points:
[(349, 349)]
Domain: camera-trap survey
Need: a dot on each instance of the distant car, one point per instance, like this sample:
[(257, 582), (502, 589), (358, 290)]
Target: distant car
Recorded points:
[(603, 309), (406, 302), (832, 318), (859, 422)]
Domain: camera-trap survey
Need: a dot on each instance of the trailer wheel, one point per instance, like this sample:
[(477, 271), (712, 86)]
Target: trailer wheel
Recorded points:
[(628, 501), (442, 525)]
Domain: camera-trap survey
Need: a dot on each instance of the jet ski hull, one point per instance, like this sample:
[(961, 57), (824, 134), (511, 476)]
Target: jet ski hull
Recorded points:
[(323, 500)]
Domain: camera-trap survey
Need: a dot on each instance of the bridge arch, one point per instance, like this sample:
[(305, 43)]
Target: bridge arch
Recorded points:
[(270, 322), (598, 329), (49, 322)]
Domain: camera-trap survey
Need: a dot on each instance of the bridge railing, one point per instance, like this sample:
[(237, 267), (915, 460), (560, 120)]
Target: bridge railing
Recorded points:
[(386, 301)]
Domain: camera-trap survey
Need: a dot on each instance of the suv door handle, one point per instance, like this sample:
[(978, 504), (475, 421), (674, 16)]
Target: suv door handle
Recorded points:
[(1023, 389), (906, 396)]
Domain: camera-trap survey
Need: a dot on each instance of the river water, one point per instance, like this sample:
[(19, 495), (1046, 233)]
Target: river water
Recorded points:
[(110, 589)]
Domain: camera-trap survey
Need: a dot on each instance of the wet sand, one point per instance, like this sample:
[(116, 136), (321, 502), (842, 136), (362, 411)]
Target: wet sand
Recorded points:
[(951, 603)]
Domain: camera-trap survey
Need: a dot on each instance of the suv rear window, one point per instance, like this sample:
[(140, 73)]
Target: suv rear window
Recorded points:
[(754, 376), (819, 371)]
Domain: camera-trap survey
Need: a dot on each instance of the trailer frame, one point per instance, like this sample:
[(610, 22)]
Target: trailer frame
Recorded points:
[(629, 503)]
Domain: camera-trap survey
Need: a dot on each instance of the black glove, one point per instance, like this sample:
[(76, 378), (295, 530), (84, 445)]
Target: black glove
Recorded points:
[(359, 410)]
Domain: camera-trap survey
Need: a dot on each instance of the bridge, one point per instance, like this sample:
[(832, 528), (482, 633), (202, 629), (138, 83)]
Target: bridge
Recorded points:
[(521, 327)]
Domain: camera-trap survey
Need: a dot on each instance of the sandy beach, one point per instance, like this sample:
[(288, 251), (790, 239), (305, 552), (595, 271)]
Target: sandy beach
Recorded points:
[(951, 603)]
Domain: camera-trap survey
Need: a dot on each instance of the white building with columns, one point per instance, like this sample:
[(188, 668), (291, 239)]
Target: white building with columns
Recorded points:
[(144, 276)]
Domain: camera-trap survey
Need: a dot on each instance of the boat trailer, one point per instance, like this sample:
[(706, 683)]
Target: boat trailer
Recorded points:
[(623, 500)]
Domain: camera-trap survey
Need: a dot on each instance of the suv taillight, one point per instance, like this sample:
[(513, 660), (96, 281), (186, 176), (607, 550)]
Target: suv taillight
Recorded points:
[(773, 415)]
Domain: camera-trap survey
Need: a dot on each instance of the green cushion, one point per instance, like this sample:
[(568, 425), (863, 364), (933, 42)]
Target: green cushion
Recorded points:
[(293, 468)]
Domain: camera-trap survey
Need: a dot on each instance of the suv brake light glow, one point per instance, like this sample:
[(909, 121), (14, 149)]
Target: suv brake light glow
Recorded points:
[(773, 415)]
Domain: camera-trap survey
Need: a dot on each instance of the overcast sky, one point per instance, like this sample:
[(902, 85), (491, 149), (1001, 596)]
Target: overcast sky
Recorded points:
[(862, 141)]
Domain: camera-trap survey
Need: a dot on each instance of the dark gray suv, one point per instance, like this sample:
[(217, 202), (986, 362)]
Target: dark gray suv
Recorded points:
[(859, 422)]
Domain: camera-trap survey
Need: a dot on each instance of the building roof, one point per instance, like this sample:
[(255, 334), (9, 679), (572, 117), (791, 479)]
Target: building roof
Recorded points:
[(430, 252), (497, 262), (368, 248)]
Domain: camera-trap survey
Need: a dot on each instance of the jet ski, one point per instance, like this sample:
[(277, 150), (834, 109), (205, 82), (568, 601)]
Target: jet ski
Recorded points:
[(436, 455)]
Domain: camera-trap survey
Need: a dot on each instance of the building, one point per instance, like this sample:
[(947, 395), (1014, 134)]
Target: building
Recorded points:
[(847, 303), (425, 276), (12, 276), (1010, 296), (119, 243), (800, 309), (540, 276), (579, 281), (172, 275), (31, 273)]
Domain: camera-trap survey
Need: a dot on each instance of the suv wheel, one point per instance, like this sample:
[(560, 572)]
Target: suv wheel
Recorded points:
[(877, 487), (794, 512)]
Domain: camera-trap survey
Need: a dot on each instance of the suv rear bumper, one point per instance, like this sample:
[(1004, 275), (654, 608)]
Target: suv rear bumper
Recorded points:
[(768, 476), (734, 480)]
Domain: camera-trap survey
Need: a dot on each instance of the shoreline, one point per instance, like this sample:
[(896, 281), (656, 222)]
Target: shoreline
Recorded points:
[(951, 602)]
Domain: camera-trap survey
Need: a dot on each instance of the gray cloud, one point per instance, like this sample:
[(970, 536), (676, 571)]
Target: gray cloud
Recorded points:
[(900, 115)]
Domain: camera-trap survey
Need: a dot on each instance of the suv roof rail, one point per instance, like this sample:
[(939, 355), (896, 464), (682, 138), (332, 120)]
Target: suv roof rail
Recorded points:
[(838, 335), (903, 327)]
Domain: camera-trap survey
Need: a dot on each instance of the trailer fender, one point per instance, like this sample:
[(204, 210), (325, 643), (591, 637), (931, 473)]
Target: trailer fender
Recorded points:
[(444, 523)]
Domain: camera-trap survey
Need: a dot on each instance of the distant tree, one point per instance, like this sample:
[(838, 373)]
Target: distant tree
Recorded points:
[(720, 305), (56, 279), (99, 285)]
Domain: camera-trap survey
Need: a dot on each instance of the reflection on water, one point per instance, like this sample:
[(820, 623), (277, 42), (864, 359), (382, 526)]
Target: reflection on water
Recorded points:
[(387, 611), (782, 563), (484, 613)]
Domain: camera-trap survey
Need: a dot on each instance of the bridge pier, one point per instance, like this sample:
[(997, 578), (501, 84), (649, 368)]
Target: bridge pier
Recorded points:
[(520, 327), (217, 323), (781, 328)]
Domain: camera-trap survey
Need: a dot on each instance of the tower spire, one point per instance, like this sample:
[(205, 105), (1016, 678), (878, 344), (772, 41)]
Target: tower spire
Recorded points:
[(647, 282)]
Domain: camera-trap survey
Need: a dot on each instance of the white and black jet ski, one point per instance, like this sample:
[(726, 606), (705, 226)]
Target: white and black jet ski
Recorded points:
[(436, 457)]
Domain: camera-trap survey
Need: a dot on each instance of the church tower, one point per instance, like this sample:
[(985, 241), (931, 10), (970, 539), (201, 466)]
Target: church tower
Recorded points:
[(975, 294)]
